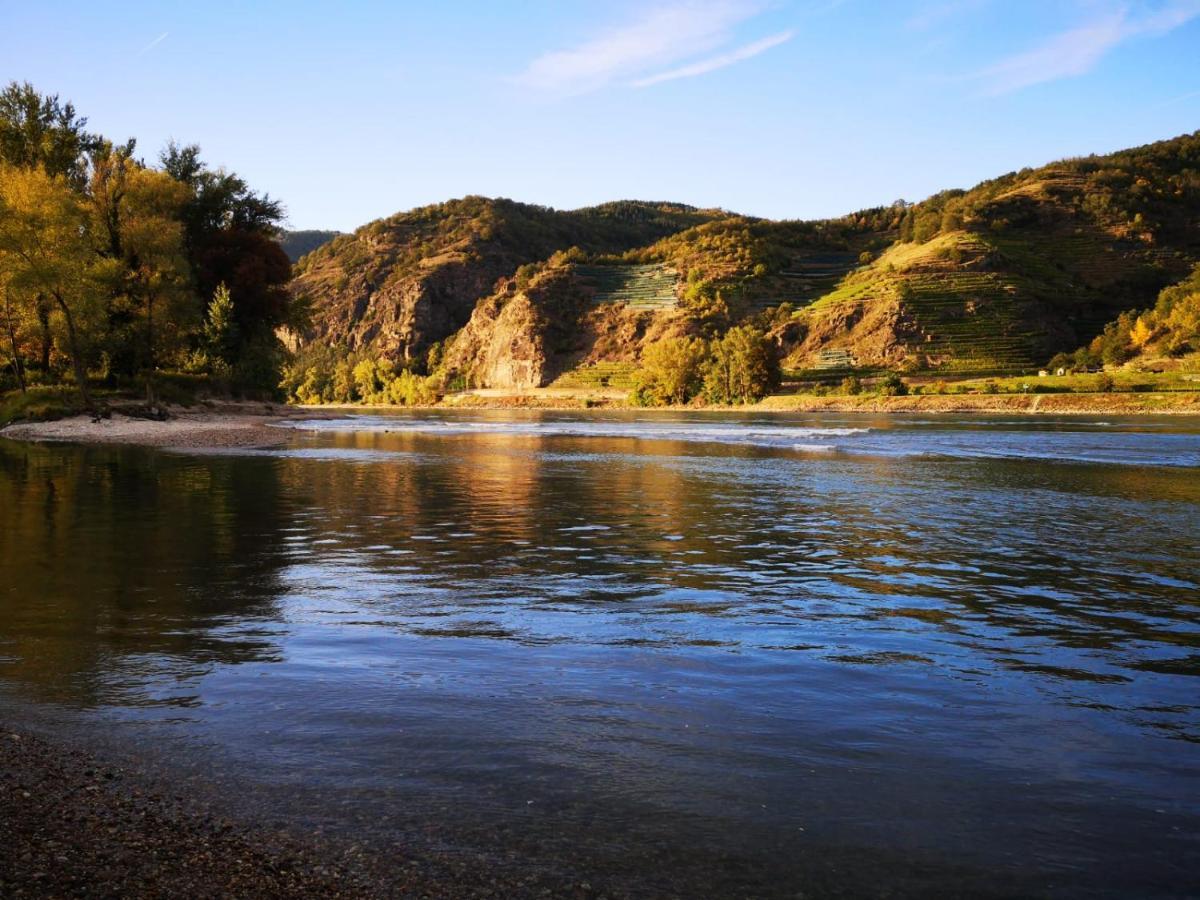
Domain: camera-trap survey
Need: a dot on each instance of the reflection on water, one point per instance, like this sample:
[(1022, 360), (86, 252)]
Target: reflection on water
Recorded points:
[(755, 651)]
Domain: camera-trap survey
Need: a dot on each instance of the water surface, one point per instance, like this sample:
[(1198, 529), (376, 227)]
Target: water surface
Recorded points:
[(760, 655)]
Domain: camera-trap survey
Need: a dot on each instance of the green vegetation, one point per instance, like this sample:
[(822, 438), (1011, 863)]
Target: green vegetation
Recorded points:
[(597, 376), (739, 367), (1170, 328), (334, 375), (736, 265), (106, 263), (39, 404), (637, 286)]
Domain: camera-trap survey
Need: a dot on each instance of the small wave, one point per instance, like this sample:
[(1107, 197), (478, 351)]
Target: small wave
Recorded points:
[(753, 435)]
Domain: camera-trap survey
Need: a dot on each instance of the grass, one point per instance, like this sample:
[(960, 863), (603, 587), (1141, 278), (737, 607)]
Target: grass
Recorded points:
[(44, 404), (39, 404)]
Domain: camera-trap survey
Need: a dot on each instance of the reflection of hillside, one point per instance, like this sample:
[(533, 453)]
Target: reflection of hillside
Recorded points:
[(122, 565), (483, 494)]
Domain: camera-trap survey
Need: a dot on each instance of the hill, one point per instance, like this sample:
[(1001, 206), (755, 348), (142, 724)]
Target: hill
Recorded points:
[(402, 284), (1163, 337), (997, 278), (1016, 269), (298, 243)]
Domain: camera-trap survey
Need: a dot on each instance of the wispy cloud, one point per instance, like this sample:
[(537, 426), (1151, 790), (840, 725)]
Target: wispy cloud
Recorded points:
[(1077, 51), (664, 36), (1181, 98), (717, 62), (154, 43)]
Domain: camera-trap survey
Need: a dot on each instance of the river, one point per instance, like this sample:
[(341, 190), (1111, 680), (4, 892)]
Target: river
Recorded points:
[(708, 654)]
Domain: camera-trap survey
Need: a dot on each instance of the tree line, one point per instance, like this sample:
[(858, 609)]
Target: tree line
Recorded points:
[(115, 271), (740, 366)]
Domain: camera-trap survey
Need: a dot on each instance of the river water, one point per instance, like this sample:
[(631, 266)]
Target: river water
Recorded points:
[(704, 654)]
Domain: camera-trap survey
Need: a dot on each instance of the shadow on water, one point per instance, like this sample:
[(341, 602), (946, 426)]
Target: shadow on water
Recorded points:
[(757, 669)]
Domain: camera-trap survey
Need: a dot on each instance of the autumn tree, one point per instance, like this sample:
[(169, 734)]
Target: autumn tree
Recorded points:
[(45, 247), (42, 131), (743, 367), (671, 372)]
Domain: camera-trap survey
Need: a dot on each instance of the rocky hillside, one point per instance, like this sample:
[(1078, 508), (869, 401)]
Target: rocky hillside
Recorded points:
[(402, 284), (997, 278)]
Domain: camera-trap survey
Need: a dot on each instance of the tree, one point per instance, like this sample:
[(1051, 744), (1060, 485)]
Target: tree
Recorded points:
[(136, 214), (743, 368), (671, 372), (229, 236), (44, 240), (10, 331), (37, 130), (221, 332)]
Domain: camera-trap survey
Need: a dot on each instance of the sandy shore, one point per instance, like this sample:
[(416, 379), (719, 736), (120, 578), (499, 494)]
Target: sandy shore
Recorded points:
[(244, 425)]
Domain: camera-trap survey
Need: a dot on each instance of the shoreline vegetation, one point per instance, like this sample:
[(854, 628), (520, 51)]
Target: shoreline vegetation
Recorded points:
[(129, 285)]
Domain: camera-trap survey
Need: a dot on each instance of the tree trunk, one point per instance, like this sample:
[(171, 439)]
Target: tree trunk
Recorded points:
[(150, 331), (12, 339), (43, 314), (76, 355)]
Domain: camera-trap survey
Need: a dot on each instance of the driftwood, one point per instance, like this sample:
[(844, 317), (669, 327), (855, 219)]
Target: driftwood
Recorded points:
[(151, 411)]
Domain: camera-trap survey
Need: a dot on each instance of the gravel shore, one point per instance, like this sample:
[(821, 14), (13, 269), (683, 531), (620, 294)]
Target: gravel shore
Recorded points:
[(74, 825)]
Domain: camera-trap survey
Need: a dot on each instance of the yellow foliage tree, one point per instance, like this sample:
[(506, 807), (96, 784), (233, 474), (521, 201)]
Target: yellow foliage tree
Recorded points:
[(45, 248)]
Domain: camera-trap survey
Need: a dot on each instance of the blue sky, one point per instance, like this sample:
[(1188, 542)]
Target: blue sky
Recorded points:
[(780, 108)]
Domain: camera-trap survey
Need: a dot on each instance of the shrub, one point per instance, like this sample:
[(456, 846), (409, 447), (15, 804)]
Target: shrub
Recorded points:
[(893, 385), (851, 385), (1105, 383)]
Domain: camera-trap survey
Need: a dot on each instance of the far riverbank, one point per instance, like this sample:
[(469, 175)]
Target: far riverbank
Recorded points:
[(231, 425)]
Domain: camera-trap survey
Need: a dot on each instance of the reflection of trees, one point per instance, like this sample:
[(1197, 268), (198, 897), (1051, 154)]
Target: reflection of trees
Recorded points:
[(126, 563)]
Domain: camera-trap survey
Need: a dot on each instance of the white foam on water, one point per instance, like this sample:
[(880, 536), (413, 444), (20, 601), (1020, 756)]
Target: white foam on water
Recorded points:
[(753, 435)]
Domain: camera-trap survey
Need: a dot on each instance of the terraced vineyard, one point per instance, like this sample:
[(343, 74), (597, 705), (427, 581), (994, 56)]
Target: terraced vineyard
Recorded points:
[(617, 375), (804, 280), (638, 286), (969, 320), (809, 277)]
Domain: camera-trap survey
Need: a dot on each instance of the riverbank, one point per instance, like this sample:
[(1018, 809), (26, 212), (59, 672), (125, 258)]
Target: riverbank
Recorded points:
[(75, 824), (203, 426), (1084, 404), (229, 425)]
